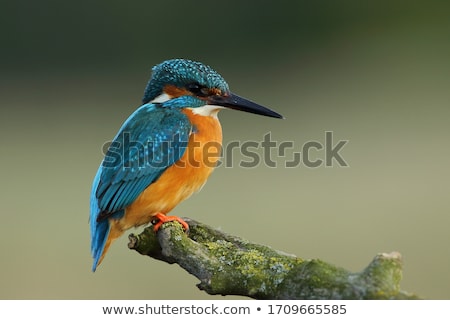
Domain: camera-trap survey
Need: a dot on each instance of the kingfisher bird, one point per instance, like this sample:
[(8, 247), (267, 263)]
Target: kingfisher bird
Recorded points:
[(160, 155)]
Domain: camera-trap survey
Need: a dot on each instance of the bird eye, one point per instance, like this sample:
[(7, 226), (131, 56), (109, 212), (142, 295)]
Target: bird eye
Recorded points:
[(197, 89)]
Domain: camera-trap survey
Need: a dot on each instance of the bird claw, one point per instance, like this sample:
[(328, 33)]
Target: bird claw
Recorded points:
[(160, 219)]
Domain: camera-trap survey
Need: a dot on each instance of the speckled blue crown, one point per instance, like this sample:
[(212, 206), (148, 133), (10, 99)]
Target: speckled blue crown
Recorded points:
[(179, 72)]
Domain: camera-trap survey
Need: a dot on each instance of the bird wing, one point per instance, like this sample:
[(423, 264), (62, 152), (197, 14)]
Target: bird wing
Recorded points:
[(150, 141)]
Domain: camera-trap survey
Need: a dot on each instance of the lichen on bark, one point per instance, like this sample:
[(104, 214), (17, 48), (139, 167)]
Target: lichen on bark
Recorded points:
[(229, 265)]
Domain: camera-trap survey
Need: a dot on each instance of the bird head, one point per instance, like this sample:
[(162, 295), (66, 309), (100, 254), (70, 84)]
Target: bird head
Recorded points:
[(186, 83)]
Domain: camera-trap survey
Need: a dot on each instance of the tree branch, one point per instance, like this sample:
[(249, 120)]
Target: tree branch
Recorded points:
[(229, 265)]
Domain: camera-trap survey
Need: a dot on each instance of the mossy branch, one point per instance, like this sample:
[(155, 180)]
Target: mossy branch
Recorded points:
[(229, 265)]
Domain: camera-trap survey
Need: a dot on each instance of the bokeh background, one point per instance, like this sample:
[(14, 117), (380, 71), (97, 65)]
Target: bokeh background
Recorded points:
[(376, 73)]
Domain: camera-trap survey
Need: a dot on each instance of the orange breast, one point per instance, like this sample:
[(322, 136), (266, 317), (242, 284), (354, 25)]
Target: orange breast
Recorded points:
[(183, 178)]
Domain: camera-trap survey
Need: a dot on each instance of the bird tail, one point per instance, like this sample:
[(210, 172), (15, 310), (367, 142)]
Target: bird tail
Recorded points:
[(99, 243), (103, 232), (100, 230), (103, 237)]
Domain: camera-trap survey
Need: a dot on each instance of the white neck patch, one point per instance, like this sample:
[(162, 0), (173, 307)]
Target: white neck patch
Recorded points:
[(163, 97), (208, 110)]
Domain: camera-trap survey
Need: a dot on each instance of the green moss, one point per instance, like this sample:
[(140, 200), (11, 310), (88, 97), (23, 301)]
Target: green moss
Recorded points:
[(252, 270)]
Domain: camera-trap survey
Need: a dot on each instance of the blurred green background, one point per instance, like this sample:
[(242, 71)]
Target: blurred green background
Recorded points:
[(375, 73)]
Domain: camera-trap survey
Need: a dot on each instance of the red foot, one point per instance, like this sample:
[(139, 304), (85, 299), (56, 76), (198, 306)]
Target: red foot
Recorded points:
[(163, 219)]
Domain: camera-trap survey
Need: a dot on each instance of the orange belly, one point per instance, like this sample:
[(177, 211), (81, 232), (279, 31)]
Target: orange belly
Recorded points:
[(179, 181)]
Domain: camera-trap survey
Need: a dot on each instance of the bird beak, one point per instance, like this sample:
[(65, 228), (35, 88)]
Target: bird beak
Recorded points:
[(235, 102)]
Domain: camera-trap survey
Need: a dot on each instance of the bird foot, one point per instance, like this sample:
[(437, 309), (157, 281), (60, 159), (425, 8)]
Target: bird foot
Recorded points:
[(160, 219)]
